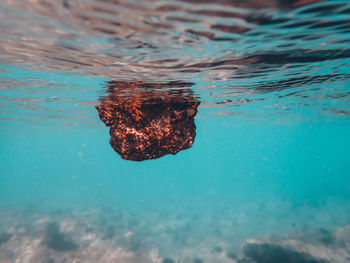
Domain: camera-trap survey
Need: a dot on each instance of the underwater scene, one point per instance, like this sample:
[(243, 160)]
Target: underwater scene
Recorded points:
[(174, 131)]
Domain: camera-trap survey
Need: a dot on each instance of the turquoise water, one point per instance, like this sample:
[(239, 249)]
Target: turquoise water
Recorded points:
[(267, 177)]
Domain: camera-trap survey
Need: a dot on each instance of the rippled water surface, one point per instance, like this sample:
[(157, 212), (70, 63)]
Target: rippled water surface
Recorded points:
[(246, 103)]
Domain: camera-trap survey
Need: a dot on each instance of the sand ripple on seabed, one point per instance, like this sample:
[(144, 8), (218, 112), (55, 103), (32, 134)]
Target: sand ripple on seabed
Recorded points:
[(91, 236)]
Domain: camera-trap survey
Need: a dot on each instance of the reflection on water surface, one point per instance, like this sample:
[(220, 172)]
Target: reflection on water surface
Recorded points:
[(234, 51)]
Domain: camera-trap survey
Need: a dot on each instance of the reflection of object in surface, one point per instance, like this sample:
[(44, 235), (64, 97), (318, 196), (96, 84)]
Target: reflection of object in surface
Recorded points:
[(149, 121)]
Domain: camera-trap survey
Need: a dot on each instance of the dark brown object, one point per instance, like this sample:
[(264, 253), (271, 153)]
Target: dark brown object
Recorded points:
[(149, 121)]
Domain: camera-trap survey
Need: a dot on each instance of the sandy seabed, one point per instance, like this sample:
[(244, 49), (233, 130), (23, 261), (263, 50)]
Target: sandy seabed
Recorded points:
[(30, 235)]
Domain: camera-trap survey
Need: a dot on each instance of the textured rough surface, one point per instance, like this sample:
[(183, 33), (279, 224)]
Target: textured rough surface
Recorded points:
[(191, 233), (148, 121)]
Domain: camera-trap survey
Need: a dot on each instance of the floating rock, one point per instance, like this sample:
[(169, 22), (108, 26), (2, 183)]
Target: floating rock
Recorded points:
[(148, 121), (57, 240)]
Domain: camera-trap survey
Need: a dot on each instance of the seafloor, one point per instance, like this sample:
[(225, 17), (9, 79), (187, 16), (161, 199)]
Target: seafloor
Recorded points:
[(103, 234)]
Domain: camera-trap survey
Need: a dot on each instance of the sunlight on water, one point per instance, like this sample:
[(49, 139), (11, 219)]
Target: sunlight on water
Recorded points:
[(243, 107)]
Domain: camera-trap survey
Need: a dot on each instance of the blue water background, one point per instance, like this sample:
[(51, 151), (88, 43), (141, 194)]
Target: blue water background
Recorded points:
[(271, 164)]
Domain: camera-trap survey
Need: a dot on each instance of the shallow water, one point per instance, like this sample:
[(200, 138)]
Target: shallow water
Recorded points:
[(265, 177)]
